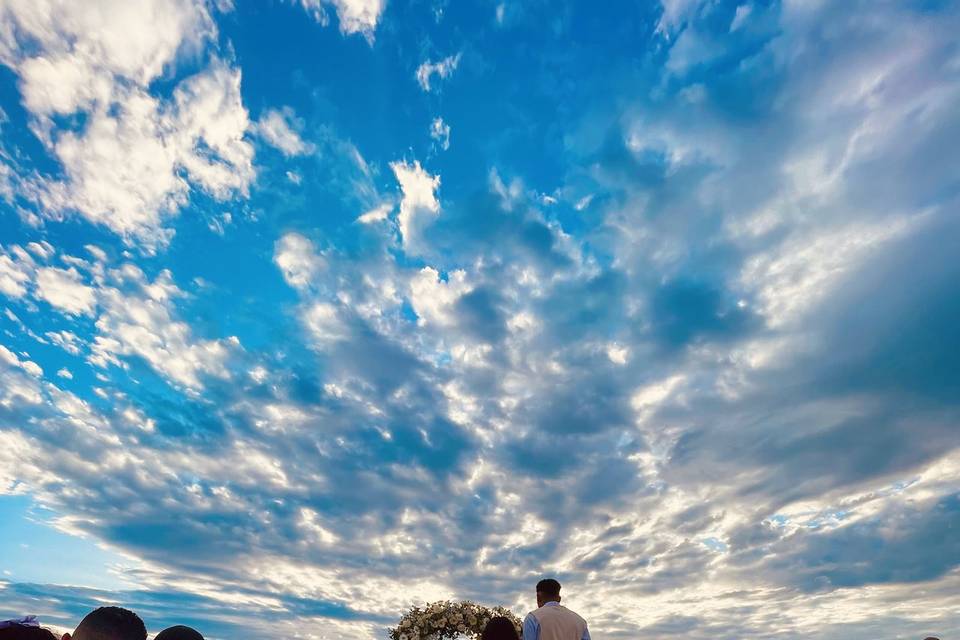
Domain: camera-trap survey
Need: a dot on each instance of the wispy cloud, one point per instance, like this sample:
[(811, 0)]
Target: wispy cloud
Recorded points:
[(442, 69)]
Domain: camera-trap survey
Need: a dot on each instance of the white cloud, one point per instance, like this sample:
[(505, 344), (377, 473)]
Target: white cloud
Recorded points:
[(324, 322), (740, 17), (218, 224), (32, 368), (134, 317), (14, 277), (76, 52), (9, 357), (298, 260), (42, 249), (208, 127), (65, 373), (791, 278), (510, 195), (66, 340), (98, 254), (279, 128), (141, 322), (355, 16), (419, 204), (690, 49), (120, 172), (358, 16), (64, 289), (433, 298), (377, 214), (310, 523), (440, 131), (442, 69), (128, 167), (522, 322), (618, 353), (674, 14)]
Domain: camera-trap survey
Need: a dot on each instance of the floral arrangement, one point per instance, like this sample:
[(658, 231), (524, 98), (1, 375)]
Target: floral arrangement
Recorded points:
[(446, 619)]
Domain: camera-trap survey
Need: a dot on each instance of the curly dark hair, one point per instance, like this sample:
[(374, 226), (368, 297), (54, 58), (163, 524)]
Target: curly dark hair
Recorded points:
[(499, 628)]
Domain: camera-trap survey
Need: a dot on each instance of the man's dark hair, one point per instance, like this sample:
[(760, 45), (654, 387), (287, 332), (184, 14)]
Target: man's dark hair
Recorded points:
[(548, 587), (179, 632), (111, 623), (24, 632)]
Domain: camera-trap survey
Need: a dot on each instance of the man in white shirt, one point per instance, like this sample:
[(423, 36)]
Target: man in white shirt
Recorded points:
[(552, 621)]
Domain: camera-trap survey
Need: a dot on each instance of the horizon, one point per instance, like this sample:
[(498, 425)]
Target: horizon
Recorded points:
[(312, 311)]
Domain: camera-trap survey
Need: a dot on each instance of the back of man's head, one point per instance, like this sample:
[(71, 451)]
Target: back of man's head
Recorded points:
[(25, 632), (548, 590), (111, 623), (179, 632)]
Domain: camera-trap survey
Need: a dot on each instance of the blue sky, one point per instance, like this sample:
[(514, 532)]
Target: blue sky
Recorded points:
[(314, 311)]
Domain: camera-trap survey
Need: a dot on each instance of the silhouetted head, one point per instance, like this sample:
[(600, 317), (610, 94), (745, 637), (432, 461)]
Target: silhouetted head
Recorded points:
[(24, 632), (548, 591), (179, 632), (110, 623), (499, 628)]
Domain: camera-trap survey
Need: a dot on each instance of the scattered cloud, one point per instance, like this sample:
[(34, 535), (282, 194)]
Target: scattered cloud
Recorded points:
[(377, 214), (741, 16), (434, 299), (297, 259), (419, 205), (138, 320), (674, 13), (66, 340), (355, 16), (279, 129), (64, 289), (443, 69), (131, 164), (440, 131)]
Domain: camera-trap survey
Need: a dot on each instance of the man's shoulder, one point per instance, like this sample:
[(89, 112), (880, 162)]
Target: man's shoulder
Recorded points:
[(555, 609), (575, 614)]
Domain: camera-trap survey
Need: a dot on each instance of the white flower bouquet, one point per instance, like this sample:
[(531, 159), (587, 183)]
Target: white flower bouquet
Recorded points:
[(447, 620)]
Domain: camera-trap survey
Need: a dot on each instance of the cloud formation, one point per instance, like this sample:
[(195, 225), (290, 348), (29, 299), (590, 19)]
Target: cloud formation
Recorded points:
[(355, 16), (442, 69), (99, 65), (418, 204), (680, 330), (440, 131), (276, 127)]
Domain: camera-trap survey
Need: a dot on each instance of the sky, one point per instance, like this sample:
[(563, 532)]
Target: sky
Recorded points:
[(315, 310)]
